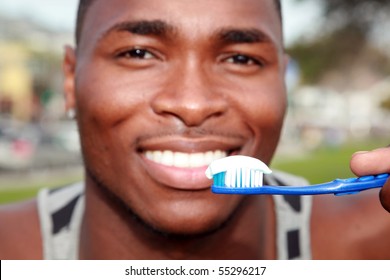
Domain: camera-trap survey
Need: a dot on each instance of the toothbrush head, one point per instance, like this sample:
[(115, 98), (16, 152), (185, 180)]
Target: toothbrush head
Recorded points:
[(244, 175), (237, 172)]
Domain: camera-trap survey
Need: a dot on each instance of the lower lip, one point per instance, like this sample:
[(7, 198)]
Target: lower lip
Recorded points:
[(177, 178)]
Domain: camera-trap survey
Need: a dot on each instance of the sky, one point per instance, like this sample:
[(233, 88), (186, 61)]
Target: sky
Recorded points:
[(299, 18)]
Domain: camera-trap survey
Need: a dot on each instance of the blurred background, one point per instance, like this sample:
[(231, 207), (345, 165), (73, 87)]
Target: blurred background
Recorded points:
[(338, 84)]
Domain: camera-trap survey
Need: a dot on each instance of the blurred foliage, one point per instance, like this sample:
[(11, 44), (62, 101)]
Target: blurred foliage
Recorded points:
[(386, 104), (360, 13), (347, 28), (46, 68)]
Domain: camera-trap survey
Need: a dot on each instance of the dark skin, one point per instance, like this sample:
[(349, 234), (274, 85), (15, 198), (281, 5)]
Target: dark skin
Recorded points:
[(187, 77)]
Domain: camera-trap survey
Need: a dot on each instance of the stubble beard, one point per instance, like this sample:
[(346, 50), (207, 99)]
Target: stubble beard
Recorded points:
[(133, 216)]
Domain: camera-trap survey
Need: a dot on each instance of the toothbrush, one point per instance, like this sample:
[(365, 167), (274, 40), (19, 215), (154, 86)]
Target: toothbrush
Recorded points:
[(244, 175)]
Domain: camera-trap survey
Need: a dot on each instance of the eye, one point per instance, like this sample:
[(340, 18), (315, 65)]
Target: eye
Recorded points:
[(244, 60), (136, 53)]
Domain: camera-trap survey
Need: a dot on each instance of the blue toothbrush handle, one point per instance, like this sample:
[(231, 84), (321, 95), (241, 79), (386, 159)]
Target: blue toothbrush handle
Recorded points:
[(336, 187)]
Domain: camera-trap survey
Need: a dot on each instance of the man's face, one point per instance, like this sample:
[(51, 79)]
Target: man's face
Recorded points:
[(164, 87)]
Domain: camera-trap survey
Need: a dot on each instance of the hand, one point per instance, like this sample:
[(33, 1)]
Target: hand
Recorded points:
[(371, 163)]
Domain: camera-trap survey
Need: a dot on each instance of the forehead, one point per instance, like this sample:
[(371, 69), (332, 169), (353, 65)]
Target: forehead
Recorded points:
[(189, 17)]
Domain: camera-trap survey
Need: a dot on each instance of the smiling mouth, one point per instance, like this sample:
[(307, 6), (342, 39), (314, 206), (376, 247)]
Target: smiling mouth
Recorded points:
[(184, 160)]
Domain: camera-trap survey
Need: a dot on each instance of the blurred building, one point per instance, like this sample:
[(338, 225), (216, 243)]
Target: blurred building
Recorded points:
[(16, 81), (319, 116), (30, 69)]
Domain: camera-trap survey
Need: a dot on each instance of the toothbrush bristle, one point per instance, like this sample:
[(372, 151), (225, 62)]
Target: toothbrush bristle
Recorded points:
[(237, 172), (247, 178), (240, 178)]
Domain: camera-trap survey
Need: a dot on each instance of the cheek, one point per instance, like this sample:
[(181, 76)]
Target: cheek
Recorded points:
[(102, 104), (263, 108), (269, 105), (263, 105), (108, 100), (267, 109), (105, 103), (110, 93)]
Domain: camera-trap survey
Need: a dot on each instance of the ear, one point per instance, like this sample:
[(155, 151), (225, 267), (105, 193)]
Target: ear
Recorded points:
[(69, 68)]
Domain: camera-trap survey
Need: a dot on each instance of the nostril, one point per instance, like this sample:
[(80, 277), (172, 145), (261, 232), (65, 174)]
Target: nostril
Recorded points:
[(192, 110)]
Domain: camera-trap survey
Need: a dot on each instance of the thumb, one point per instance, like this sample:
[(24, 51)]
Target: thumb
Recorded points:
[(384, 196)]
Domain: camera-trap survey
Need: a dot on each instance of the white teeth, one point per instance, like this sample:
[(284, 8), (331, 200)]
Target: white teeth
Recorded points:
[(209, 156), (198, 159), (167, 158), (184, 160), (181, 159)]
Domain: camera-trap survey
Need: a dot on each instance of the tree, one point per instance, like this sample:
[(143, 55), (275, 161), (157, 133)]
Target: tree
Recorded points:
[(363, 14), (346, 38)]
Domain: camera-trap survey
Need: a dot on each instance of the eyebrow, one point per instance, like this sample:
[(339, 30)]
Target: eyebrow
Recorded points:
[(143, 27), (237, 36), (163, 29)]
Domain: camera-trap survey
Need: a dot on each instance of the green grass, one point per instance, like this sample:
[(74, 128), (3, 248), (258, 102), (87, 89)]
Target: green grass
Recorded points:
[(9, 195), (27, 189), (326, 163)]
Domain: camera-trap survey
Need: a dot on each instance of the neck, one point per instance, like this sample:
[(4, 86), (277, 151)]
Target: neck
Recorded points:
[(109, 231)]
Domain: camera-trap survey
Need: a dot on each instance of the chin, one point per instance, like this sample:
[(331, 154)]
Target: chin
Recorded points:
[(189, 229), (188, 221), (173, 213)]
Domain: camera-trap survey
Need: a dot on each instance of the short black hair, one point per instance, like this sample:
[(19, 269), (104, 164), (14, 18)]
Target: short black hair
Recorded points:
[(81, 12), (85, 4)]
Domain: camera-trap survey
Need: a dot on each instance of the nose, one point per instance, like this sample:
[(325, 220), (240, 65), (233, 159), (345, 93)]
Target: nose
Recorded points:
[(190, 95)]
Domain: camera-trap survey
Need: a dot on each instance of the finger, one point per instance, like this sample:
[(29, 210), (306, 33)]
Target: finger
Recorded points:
[(373, 162), (384, 196)]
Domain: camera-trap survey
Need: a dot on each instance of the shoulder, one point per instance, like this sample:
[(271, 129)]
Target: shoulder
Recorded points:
[(350, 227), (20, 236)]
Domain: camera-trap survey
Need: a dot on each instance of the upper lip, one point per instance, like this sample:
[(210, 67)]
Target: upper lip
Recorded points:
[(191, 145)]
